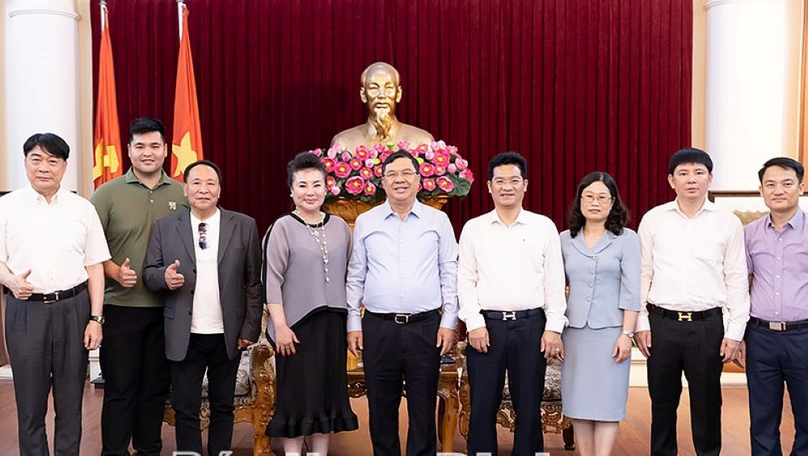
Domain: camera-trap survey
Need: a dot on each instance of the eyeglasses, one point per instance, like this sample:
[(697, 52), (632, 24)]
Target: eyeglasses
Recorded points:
[(590, 198), (203, 235), (393, 175)]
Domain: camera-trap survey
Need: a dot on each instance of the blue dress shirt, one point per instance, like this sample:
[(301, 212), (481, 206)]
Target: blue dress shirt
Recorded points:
[(403, 266)]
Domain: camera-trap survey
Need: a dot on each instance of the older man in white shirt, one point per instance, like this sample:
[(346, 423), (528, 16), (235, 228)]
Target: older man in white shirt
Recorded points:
[(52, 248), (511, 292), (693, 271)]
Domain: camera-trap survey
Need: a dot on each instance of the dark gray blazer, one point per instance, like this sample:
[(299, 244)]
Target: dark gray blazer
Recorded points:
[(240, 288)]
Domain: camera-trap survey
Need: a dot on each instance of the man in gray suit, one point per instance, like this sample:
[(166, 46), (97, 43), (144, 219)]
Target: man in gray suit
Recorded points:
[(207, 263)]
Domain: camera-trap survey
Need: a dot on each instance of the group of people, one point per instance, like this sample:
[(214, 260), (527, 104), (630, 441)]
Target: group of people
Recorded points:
[(186, 282)]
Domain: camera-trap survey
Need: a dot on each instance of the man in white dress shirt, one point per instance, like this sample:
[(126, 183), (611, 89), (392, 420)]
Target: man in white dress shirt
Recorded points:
[(693, 271), (511, 291), (52, 248)]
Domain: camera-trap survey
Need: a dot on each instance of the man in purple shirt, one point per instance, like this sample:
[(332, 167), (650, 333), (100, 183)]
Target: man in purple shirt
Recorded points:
[(776, 341)]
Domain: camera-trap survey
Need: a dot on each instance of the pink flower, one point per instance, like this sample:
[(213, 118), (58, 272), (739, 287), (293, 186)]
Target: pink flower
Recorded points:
[(355, 163), (441, 158), (342, 170), (330, 182), (346, 156), (377, 170), (440, 170), (466, 174), (445, 184), (329, 164), (335, 190), (384, 154), (369, 163), (366, 173), (373, 153), (379, 148), (429, 184), (461, 163), (422, 148), (429, 155), (361, 152), (452, 150), (317, 152), (403, 145), (370, 189), (334, 150), (355, 185), (426, 169), (414, 152), (452, 168)]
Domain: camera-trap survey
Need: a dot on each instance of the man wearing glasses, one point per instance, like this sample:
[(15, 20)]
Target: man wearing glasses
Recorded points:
[(133, 360), (404, 270), (207, 262), (511, 290)]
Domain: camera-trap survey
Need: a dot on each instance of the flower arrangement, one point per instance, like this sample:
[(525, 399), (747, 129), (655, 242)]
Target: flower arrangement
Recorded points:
[(358, 174)]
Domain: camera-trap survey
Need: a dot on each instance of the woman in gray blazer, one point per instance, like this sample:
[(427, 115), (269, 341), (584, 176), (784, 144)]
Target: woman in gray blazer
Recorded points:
[(602, 265)]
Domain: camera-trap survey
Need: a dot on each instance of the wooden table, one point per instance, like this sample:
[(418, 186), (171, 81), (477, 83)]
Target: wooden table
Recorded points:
[(448, 400)]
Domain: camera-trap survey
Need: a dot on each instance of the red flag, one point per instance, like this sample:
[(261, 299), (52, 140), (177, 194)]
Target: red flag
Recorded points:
[(107, 138), (186, 146)]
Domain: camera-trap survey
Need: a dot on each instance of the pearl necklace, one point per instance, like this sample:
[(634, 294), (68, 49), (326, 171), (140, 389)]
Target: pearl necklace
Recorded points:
[(322, 241)]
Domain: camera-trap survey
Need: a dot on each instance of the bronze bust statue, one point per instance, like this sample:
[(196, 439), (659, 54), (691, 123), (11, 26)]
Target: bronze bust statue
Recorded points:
[(381, 92)]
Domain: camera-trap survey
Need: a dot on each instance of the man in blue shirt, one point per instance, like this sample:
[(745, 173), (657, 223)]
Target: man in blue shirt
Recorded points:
[(404, 270)]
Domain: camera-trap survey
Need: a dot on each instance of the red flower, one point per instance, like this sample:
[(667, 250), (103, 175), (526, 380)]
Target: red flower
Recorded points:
[(429, 184), (330, 182), (342, 170), (366, 173), (426, 169), (361, 152), (355, 163), (440, 170), (377, 170), (441, 158), (355, 185), (466, 174), (370, 189), (329, 164), (445, 184)]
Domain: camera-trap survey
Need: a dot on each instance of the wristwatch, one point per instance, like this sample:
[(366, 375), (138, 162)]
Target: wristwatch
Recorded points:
[(98, 319), (630, 334)]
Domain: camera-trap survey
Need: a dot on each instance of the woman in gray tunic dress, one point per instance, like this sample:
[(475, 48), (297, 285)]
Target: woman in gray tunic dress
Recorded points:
[(306, 258), (602, 264)]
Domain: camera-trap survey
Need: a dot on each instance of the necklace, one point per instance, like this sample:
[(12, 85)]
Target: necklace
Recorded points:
[(320, 238)]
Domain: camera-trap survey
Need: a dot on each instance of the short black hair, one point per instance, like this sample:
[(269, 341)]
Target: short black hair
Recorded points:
[(202, 162), (507, 158), (690, 155), (401, 153), (618, 215), (143, 125), (303, 160), (785, 163), (48, 142)]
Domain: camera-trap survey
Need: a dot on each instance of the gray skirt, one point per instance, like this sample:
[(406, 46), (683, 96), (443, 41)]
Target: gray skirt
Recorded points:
[(593, 387)]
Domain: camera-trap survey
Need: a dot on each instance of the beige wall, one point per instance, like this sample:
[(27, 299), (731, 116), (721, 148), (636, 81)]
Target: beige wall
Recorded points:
[(792, 11), (86, 87)]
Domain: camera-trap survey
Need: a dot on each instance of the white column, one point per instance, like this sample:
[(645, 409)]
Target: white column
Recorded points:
[(744, 108), (42, 83)]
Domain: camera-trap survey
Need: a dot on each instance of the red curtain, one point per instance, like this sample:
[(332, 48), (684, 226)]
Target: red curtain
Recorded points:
[(574, 85)]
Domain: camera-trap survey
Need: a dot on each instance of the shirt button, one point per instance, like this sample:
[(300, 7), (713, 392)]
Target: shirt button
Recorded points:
[(776, 276), (778, 258), (777, 294), (402, 296)]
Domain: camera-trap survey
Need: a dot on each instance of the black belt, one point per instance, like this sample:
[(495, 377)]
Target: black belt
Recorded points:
[(48, 298), (685, 315), (505, 315), (404, 319), (779, 325)]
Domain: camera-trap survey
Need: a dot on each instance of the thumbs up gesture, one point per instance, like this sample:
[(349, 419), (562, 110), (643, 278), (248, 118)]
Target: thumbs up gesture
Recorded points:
[(20, 287), (127, 276), (173, 278)]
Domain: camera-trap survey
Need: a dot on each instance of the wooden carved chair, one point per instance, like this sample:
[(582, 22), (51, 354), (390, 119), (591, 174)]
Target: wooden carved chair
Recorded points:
[(552, 420)]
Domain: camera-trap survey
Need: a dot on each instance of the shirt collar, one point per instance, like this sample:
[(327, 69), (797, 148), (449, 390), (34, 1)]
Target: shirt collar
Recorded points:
[(417, 209), (131, 178), (522, 218), (796, 222), (707, 206), (37, 197)]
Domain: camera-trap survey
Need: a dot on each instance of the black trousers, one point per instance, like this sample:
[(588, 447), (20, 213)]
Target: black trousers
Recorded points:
[(515, 347), (393, 352), (46, 345), (774, 360), (692, 347), (136, 380), (205, 351)]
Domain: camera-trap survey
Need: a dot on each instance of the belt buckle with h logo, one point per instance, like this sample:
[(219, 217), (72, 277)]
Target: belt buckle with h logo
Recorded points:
[(685, 316), (508, 316)]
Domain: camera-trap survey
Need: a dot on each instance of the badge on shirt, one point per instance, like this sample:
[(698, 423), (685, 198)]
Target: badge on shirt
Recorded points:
[(172, 205)]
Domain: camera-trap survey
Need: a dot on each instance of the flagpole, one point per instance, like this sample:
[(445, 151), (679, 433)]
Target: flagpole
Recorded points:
[(103, 5), (180, 7)]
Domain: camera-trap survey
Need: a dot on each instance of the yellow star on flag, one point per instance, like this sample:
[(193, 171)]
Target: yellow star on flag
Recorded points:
[(185, 154)]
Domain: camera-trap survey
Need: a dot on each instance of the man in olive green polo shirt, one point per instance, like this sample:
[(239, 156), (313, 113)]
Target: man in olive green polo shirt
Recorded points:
[(133, 362)]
